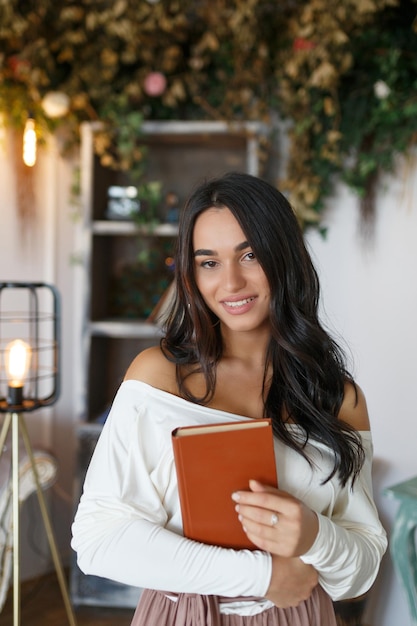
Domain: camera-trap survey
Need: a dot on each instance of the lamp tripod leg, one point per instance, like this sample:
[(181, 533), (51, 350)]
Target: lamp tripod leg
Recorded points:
[(4, 430), (12, 419), (16, 519), (48, 527)]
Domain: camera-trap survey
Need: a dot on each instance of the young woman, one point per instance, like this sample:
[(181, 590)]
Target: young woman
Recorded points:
[(243, 341)]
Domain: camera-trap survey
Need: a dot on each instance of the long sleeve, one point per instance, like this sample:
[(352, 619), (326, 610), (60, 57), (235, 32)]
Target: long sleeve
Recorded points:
[(128, 524), (351, 540)]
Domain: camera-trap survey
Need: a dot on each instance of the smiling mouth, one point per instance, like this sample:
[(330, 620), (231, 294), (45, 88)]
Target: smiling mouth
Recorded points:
[(238, 302)]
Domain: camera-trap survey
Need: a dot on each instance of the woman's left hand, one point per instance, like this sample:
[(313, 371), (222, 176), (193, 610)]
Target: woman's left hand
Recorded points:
[(275, 521)]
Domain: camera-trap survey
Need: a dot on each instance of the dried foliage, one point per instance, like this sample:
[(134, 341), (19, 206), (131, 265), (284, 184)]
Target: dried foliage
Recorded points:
[(343, 72)]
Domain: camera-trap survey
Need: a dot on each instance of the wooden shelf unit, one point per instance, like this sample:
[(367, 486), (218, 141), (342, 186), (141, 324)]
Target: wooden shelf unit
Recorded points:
[(180, 155)]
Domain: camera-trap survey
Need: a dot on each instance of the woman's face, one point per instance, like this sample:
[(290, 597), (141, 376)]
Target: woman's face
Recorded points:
[(229, 277)]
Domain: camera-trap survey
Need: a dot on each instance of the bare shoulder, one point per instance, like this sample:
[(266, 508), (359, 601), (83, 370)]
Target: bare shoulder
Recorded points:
[(151, 366), (354, 410)]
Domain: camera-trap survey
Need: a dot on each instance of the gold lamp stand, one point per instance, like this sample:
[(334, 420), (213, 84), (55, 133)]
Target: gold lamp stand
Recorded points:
[(29, 379), (17, 423)]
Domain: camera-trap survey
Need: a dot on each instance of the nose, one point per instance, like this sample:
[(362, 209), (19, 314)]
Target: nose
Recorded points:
[(233, 277)]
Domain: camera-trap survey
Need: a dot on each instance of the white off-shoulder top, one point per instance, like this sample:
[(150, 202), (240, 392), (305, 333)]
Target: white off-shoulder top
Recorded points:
[(128, 524)]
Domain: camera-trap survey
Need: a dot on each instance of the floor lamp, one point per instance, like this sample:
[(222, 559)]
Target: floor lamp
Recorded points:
[(29, 379)]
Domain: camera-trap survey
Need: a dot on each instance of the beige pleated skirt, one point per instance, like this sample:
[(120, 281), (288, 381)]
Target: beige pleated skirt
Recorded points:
[(156, 609)]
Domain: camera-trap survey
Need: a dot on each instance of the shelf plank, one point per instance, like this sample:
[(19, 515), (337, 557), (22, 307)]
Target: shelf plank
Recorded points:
[(124, 328), (128, 227)]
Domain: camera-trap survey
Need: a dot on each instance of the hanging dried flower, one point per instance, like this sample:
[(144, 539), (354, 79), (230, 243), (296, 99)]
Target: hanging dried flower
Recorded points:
[(55, 104), (381, 89), (154, 84)]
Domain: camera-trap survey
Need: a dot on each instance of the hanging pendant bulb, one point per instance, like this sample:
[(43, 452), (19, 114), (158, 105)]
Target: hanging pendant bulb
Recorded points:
[(29, 143)]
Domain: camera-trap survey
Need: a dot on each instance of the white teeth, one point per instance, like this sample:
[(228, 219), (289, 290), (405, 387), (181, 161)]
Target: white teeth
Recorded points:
[(239, 302)]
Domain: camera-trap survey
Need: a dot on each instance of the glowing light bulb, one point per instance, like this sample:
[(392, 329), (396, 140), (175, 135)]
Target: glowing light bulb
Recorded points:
[(17, 357), (29, 143)]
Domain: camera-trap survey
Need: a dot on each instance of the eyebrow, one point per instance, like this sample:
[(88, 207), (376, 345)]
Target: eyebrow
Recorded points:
[(205, 252)]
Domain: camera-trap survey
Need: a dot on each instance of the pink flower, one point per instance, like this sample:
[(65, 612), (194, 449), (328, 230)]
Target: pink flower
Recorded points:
[(155, 84), (19, 67), (300, 43)]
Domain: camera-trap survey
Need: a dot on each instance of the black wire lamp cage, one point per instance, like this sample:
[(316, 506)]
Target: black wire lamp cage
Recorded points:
[(29, 380), (29, 343)]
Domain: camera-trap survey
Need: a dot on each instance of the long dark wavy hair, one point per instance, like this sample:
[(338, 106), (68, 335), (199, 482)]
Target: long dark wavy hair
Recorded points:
[(308, 367)]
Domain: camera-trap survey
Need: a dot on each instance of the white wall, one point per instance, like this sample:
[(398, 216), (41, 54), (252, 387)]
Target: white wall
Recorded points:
[(369, 297), (369, 293), (42, 253)]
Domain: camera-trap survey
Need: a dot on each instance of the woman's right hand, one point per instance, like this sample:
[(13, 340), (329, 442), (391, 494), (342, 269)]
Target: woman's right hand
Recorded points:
[(292, 581)]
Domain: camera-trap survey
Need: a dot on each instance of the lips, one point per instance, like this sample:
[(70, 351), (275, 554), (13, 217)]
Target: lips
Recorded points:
[(237, 303)]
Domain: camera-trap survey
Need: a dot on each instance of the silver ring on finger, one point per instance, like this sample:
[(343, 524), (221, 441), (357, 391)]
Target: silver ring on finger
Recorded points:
[(274, 519)]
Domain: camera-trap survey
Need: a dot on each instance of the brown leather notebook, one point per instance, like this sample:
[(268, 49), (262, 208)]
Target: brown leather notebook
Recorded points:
[(213, 461)]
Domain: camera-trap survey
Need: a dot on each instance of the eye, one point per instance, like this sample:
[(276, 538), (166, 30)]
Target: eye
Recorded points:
[(249, 256), (209, 264)]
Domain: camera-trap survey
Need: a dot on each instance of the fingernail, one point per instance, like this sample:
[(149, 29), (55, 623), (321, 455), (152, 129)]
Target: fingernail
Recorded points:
[(236, 496)]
